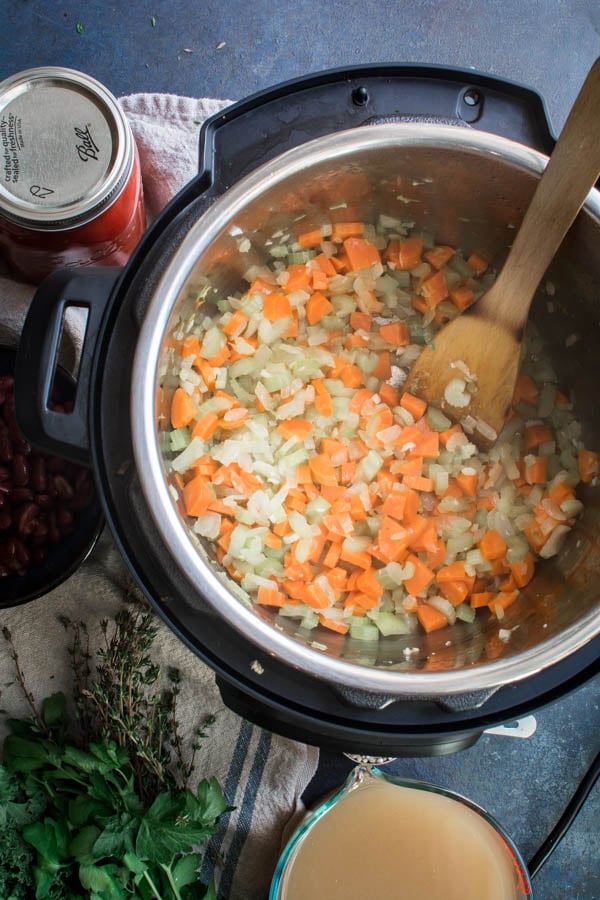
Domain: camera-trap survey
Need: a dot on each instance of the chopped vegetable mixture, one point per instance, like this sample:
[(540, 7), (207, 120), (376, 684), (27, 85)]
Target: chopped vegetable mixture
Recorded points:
[(330, 493)]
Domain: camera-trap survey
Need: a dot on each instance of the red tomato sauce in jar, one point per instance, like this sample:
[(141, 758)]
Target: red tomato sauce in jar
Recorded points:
[(70, 183)]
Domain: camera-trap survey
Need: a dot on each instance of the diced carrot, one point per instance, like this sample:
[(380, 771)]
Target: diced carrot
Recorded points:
[(183, 409), (323, 263), (480, 599), (298, 278), (197, 496), (389, 395), (368, 583), (438, 256), (536, 469), (434, 289), (219, 358), (468, 481), (295, 428), (455, 591), (383, 369), (317, 306), (322, 469), (351, 376), (561, 491), (234, 418), (401, 505), (587, 462), (526, 390), (190, 346), (492, 545), (332, 556), (316, 596), (209, 376), (320, 281), (429, 618), (206, 426), (462, 297), (336, 450), (342, 230), (477, 263), (454, 572), (502, 601), (273, 541), (395, 333), (359, 558), (360, 321), (414, 405), (324, 404), (333, 624), (412, 466), (276, 306), (268, 596), (419, 483), (537, 434), (311, 239), (362, 254), (409, 254), (421, 577), (236, 323)]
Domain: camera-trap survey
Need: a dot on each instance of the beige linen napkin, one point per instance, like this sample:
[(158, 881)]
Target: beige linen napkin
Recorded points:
[(263, 775)]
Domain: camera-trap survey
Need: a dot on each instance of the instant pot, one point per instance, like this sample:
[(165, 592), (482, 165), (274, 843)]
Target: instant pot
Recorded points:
[(460, 154)]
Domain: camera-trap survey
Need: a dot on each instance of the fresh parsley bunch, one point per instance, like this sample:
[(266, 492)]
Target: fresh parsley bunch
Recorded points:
[(95, 809)]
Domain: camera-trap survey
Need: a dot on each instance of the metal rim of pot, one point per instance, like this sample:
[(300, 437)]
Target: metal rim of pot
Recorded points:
[(149, 463)]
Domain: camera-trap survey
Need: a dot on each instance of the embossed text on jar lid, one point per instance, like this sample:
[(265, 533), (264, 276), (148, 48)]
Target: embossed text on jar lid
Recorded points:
[(65, 148)]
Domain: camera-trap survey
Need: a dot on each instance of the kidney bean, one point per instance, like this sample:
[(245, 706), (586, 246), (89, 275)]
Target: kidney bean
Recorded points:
[(26, 518), (20, 470), (40, 495), (20, 495), (39, 480), (6, 448), (64, 517), (62, 487)]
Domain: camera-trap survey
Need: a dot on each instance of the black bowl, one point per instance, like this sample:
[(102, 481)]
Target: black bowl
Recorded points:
[(64, 557)]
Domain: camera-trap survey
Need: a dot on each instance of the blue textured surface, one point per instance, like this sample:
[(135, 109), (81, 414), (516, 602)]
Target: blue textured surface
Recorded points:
[(231, 49)]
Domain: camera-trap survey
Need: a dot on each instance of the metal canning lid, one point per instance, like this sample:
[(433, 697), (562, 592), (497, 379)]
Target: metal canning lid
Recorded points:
[(66, 149)]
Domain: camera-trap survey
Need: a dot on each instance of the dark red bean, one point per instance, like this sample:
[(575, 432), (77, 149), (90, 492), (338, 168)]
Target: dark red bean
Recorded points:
[(20, 470), (26, 518), (39, 480), (6, 448), (64, 517), (40, 496), (20, 495), (55, 464), (62, 487)]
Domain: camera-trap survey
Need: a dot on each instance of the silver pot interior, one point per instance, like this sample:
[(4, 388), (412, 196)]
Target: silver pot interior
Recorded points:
[(469, 190)]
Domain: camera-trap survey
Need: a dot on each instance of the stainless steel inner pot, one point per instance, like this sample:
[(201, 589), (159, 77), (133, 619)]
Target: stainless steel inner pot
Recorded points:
[(470, 189)]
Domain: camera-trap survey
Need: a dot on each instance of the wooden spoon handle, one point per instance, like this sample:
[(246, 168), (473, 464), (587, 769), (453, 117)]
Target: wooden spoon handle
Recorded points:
[(570, 174)]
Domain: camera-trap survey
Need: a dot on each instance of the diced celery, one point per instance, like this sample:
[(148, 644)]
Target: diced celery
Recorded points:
[(389, 623), (364, 630), (465, 613), (179, 438)]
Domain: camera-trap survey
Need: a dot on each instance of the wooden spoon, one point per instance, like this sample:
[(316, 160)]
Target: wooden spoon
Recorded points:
[(485, 341)]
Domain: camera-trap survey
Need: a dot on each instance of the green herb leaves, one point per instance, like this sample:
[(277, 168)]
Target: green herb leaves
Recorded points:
[(102, 816)]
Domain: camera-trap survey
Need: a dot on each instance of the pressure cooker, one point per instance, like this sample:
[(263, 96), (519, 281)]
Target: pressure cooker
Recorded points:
[(467, 151)]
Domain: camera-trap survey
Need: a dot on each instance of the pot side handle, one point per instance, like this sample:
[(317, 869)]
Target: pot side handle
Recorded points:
[(59, 434), (240, 137)]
